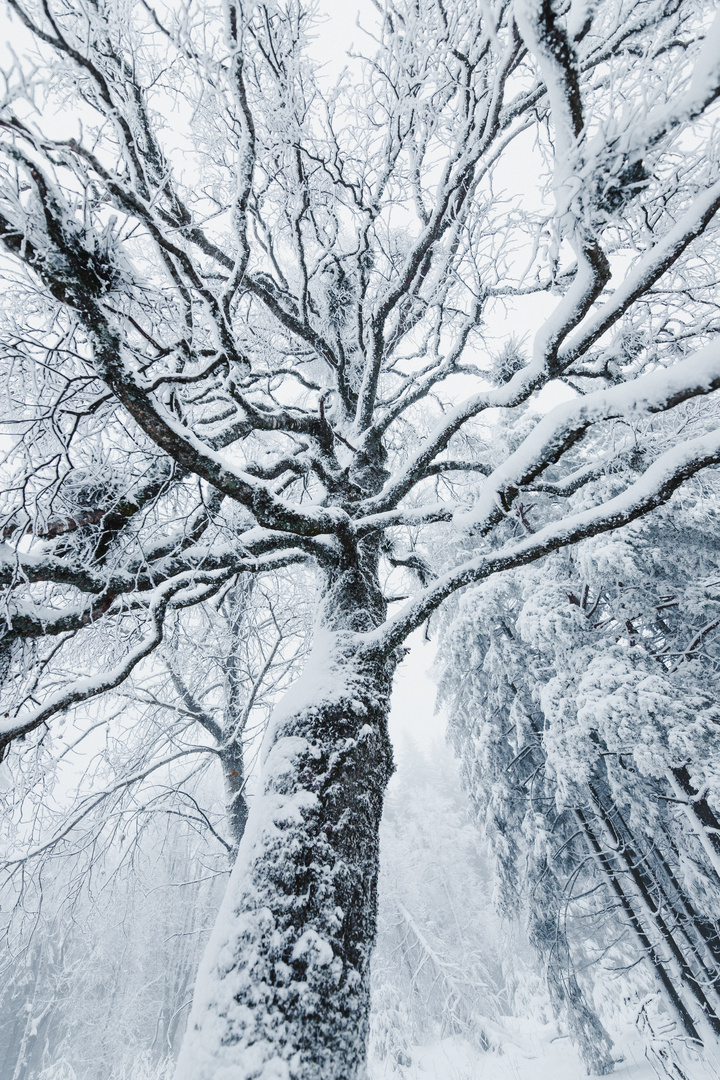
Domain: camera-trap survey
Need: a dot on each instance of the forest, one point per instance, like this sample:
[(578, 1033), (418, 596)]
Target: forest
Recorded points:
[(359, 539)]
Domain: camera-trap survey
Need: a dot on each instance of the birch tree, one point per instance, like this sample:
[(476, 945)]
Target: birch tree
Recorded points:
[(254, 324)]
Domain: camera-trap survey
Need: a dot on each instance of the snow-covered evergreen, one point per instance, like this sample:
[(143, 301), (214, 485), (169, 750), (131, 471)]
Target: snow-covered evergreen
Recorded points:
[(583, 707)]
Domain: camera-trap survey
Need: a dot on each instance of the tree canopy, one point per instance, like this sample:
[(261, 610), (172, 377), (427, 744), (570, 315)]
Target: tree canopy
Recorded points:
[(395, 332)]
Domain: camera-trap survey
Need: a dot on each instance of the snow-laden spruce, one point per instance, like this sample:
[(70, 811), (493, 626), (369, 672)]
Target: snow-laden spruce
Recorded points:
[(589, 732)]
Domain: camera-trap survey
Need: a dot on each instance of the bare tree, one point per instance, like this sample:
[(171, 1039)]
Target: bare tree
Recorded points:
[(202, 703), (98, 961), (255, 324)]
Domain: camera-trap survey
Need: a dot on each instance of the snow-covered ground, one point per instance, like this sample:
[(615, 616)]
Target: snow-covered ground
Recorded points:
[(521, 1048), (535, 1052)]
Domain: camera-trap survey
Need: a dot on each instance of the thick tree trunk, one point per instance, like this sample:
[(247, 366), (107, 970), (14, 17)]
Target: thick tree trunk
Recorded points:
[(283, 989)]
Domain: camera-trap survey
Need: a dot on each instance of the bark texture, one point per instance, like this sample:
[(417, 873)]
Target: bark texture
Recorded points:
[(283, 992)]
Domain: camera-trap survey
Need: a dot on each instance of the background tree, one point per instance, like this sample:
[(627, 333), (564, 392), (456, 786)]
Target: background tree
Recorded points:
[(253, 326), (438, 969), (103, 797), (588, 736), (98, 967)]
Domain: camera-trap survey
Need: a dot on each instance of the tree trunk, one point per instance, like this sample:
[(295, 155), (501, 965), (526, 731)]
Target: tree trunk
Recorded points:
[(547, 936), (649, 952), (232, 759), (704, 823), (657, 906), (283, 990)]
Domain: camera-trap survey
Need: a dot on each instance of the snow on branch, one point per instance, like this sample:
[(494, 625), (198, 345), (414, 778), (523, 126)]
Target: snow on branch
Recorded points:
[(179, 592), (655, 487)]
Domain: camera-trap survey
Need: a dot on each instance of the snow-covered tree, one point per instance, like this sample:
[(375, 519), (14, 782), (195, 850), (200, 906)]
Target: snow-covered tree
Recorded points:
[(439, 969), (588, 734), (255, 323), (102, 798), (97, 968)]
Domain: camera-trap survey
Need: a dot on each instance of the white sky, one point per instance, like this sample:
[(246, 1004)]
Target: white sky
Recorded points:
[(338, 32), (412, 717)]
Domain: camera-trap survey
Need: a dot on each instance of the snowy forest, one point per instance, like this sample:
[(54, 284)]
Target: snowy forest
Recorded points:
[(359, 539)]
